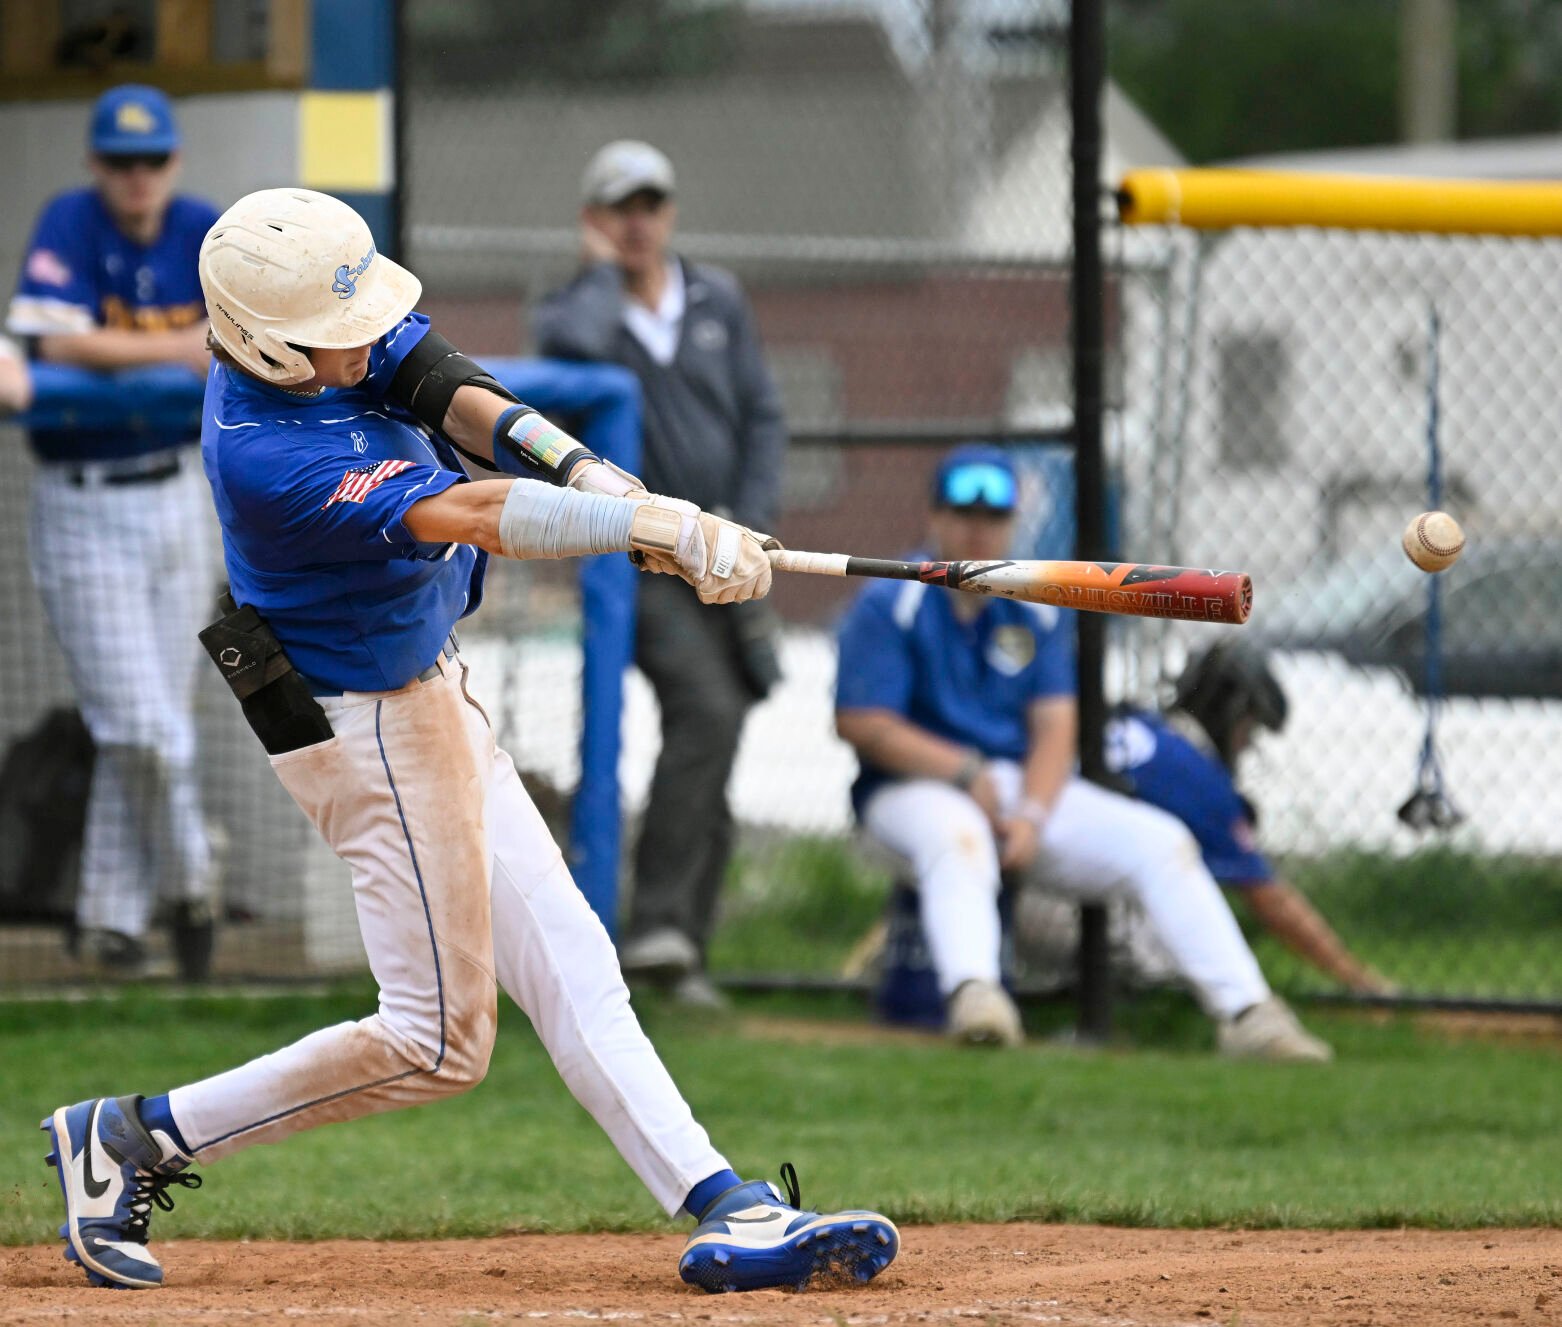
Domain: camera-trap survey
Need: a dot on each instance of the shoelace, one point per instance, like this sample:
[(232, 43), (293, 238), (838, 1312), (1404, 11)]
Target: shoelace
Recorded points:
[(794, 1195), (151, 1190)]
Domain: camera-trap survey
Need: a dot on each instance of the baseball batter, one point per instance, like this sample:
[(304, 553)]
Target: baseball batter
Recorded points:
[(354, 542), (119, 543)]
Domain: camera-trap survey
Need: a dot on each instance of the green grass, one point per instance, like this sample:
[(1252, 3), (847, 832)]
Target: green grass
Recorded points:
[(1437, 923), (1404, 1130)]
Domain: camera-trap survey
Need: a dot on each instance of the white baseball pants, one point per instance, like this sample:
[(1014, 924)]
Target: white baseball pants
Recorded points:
[(126, 574), (1097, 844), (458, 886)]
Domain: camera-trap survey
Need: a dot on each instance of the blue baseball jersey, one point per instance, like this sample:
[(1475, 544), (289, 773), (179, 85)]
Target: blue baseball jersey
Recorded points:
[(82, 272), (1167, 770), (312, 494), (903, 649)]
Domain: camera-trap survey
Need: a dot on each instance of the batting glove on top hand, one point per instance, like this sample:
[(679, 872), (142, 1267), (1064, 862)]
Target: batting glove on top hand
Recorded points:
[(725, 562)]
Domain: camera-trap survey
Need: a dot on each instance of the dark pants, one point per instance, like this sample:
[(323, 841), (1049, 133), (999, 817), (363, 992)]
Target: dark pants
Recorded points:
[(689, 651)]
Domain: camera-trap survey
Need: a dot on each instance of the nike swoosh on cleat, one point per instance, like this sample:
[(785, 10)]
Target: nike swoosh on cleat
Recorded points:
[(95, 1188)]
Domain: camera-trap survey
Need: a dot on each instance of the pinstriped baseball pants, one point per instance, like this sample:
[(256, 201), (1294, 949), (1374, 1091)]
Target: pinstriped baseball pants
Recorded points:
[(126, 575)]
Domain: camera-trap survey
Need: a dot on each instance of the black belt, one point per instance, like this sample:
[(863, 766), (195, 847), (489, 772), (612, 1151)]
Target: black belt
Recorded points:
[(158, 473), (447, 651)]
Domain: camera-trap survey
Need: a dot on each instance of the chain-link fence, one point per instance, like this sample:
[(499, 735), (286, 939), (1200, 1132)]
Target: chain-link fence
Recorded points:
[(892, 190), (889, 185), (1278, 415)]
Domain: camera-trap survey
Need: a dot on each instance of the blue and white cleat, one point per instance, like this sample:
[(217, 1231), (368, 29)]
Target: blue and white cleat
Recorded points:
[(111, 1172), (750, 1238)]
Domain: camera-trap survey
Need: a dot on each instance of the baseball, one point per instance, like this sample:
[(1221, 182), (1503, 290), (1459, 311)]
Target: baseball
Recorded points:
[(1433, 540)]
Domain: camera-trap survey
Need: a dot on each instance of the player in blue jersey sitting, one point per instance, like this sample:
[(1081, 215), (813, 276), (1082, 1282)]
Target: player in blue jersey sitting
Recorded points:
[(336, 423), (1184, 761), (120, 543), (962, 712)]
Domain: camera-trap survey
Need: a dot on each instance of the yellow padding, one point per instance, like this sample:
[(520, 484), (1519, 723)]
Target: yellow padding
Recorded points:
[(345, 141), (1220, 199)]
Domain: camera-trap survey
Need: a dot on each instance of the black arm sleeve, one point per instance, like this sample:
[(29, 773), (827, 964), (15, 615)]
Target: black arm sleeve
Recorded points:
[(429, 377)]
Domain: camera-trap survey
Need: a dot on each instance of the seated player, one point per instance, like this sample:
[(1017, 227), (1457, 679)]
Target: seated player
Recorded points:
[(963, 715)]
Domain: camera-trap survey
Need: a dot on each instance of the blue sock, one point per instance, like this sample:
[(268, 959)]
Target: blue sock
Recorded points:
[(155, 1114), (703, 1194)]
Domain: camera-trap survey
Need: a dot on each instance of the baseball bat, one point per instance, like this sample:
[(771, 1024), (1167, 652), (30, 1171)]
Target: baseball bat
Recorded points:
[(1134, 589)]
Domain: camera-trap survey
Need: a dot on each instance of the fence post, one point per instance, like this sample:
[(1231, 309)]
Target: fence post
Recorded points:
[(1087, 73)]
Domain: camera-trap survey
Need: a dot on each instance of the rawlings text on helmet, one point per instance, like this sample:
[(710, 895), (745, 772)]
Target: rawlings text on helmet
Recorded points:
[(346, 284), (237, 325)]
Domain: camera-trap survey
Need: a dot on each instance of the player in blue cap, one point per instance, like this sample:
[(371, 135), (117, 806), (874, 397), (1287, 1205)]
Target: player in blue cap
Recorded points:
[(121, 547), (962, 711)]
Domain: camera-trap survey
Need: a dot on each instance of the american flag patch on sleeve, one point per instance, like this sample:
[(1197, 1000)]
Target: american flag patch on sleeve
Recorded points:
[(362, 480)]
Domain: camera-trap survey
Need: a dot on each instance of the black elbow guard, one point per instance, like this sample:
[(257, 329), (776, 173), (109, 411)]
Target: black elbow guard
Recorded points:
[(524, 443), (428, 378)]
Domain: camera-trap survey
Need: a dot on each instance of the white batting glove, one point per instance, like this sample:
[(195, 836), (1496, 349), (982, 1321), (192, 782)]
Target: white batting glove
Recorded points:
[(723, 561)]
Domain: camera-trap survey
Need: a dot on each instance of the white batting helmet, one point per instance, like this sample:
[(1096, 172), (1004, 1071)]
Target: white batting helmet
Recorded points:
[(285, 268)]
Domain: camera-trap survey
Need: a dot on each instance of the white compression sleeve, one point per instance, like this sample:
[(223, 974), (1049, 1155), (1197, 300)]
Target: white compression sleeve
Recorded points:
[(541, 521)]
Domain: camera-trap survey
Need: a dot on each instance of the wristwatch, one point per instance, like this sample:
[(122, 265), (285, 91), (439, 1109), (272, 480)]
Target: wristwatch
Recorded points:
[(969, 770)]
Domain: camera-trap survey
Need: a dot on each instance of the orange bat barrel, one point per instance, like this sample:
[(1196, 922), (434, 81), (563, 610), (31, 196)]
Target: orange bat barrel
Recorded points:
[(1140, 589), (1135, 589)]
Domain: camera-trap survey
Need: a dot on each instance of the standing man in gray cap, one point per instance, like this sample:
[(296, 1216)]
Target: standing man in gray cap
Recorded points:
[(713, 434)]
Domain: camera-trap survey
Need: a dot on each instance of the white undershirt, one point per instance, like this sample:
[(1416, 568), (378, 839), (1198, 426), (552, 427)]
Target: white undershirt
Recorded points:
[(657, 329)]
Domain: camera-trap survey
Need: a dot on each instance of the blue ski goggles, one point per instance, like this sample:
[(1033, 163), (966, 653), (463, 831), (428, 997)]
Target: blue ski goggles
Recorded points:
[(980, 484)]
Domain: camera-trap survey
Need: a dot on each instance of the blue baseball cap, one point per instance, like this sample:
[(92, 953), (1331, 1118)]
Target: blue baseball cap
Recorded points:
[(977, 476), (131, 119)]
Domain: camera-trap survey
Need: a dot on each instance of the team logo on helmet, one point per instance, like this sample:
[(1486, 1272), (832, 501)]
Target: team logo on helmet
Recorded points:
[(346, 283)]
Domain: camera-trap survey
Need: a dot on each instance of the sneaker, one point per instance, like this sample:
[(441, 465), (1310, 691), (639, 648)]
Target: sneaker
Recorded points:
[(111, 1173), (1270, 1031), (116, 954), (695, 990), (750, 1238), (982, 1014), (661, 955)]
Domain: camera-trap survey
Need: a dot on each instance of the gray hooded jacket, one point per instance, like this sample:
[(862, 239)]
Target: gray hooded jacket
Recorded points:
[(712, 418)]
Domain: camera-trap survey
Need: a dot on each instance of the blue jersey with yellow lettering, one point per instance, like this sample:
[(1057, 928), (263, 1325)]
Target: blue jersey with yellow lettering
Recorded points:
[(312, 494), (82, 272), (903, 648), (1166, 769)]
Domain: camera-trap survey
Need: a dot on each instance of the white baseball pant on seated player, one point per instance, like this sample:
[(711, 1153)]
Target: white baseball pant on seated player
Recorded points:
[(1097, 844), (458, 885), (125, 573)]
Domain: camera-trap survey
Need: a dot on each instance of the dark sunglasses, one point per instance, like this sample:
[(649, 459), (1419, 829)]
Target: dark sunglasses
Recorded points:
[(128, 161)]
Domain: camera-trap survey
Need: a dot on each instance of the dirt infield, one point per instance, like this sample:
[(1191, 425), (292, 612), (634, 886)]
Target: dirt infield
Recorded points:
[(1079, 1276)]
